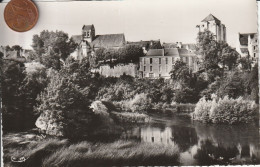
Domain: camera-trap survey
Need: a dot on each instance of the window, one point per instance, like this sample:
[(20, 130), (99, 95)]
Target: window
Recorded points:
[(151, 68), (166, 60), (151, 60), (254, 54), (172, 60), (144, 61), (160, 75), (151, 75), (160, 68), (88, 35), (159, 60), (144, 68), (254, 47)]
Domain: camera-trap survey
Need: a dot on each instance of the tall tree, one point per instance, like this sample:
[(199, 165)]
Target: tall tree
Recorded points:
[(54, 45), (181, 73)]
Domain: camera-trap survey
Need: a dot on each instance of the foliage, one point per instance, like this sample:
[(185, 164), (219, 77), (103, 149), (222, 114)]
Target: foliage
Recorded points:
[(226, 111), (235, 84), (52, 46), (185, 95), (15, 115), (181, 73), (140, 103), (63, 106), (53, 152), (215, 54), (246, 63), (126, 54)]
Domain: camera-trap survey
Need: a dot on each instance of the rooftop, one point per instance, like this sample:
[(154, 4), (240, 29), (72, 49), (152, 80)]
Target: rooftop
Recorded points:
[(109, 40), (210, 17)]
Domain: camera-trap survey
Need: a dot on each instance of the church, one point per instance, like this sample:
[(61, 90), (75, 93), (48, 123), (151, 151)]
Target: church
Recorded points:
[(88, 42)]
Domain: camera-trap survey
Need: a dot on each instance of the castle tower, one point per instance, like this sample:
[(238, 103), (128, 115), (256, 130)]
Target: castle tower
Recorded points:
[(214, 25)]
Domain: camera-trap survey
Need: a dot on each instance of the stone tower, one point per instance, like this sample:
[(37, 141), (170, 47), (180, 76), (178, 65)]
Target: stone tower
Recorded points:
[(88, 33), (214, 25)]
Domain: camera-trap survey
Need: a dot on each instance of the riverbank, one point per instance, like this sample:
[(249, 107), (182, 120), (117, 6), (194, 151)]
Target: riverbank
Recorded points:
[(28, 149)]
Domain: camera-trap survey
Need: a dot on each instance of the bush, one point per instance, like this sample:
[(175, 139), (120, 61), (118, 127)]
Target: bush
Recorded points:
[(226, 111), (140, 103), (202, 110)]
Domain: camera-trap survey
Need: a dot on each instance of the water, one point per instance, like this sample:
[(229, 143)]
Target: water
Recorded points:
[(201, 144)]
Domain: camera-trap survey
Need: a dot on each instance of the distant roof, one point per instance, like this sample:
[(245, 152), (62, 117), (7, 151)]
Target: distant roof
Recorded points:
[(183, 51), (189, 46), (169, 45), (87, 27), (243, 39), (172, 52), (244, 50), (152, 44), (109, 40), (155, 52), (12, 54), (168, 52), (210, 17), (76, 38)]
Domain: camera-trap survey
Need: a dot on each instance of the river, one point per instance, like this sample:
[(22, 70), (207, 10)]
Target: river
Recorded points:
[(200, 144)]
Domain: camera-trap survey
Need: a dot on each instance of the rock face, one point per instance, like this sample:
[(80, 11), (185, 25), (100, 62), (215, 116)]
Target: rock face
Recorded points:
[(49, 127)]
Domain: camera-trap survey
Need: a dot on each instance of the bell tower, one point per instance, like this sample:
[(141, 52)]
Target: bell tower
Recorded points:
[(88, 33)]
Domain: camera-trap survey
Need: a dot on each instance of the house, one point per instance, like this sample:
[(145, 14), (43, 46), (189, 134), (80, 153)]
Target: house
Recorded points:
[(214, 25), (247, 45), (159, 62), (88, 42)]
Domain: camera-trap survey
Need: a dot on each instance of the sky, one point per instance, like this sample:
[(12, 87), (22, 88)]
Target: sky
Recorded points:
[(167, 20)]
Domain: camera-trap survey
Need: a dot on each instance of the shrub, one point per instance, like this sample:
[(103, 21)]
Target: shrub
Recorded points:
[(140, 103), (202, 110), (226, 110)]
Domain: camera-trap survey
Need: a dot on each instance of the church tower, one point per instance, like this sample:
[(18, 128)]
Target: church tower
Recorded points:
[(88, 33), (214, 25)]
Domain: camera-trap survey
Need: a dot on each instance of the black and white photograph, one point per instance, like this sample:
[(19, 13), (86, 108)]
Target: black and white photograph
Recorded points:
[(129, 83)]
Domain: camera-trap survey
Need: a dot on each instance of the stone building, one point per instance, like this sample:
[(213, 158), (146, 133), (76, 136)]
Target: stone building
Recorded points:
[(214, 25), (88, 42), (159, 62), (247, 45)]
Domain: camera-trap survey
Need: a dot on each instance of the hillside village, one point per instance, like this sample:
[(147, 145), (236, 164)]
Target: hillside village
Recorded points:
[(158, 57)]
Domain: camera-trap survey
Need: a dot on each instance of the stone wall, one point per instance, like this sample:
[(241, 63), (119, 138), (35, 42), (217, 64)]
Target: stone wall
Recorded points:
[(118, 70)]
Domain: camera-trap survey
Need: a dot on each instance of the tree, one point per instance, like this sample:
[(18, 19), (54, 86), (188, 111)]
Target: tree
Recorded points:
[(63, 107), (207, 47), (16, 47), (130, 54), (126, 54), (216, 55), (54, 45), (13, 110), (181, 73), (246, 63)]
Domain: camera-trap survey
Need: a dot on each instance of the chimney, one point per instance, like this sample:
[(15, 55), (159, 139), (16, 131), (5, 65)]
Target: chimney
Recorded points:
[(179, 44)]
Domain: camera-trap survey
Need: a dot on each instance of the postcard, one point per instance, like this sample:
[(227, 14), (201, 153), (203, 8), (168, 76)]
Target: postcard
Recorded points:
[(129, 83)]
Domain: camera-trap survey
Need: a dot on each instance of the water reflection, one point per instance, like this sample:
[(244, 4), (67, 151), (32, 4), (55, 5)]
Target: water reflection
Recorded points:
[(202, 144)]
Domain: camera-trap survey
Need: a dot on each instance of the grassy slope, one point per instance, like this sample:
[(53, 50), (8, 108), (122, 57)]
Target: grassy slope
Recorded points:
[(56, 152)]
